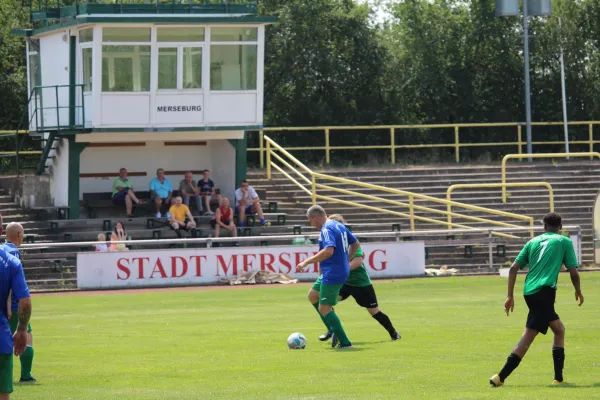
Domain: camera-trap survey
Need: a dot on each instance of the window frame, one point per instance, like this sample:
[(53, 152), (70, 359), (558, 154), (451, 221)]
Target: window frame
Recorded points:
[(180, 46), (148, 44), (232, 43)]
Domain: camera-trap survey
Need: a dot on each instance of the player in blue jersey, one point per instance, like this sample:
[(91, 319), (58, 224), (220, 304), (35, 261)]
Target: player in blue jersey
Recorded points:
[(11, 279), (14, 239), (336, 244)]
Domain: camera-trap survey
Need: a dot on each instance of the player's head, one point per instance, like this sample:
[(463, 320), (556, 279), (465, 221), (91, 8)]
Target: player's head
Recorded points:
[(123, 173), (178, 200), (338, 218), (316, 216), (552, 222), (205, 173), (14, 233)]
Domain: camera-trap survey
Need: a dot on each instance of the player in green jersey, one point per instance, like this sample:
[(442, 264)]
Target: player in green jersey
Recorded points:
[(359, 286), (545, 255)]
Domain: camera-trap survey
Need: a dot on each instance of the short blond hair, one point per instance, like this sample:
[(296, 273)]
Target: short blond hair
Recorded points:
[(338, 218), (101, 237), (315, 211)]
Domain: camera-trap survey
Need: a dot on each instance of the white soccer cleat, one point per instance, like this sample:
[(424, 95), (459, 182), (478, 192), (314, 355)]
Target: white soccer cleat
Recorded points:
[(495, 381)]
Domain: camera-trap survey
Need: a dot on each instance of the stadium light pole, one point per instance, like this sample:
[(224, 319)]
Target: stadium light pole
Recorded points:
[(527, 77)]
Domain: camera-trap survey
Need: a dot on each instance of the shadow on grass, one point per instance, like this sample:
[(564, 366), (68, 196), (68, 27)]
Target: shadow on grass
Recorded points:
[(568, 385)]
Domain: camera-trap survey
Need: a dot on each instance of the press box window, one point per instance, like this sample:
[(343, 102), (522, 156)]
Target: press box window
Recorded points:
[(126, 68), (180, 67)]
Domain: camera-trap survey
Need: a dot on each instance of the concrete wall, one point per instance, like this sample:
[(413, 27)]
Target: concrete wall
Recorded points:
[(59, 173), (217, 156), (28, 190)]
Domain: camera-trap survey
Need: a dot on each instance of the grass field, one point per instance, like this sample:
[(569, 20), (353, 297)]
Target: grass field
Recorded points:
[(231, 344)]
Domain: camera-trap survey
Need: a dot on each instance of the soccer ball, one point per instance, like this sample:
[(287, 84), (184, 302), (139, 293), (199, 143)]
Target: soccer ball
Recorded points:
[(296, 341)]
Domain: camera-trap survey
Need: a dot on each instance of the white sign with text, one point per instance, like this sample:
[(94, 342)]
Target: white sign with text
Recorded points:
[(208, 265)]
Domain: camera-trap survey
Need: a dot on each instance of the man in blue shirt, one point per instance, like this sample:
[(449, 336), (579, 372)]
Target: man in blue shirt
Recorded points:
[(336, 247), (14, 239), (161, 191), (11, 279)]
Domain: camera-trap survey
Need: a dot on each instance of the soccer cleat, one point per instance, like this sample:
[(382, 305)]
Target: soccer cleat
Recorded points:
[(158, 215), (557, 382), (168, 215), (31, 379), (348, 346), (334, 340), (395, 335), (325, 336), (495, 381)]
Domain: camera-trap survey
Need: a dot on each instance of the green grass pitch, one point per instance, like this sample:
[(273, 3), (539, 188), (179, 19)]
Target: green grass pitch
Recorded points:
[(231, 344)]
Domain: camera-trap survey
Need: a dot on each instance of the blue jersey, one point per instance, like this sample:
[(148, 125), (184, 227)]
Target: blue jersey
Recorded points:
[(13, 251), (11, 278), (336, 268)]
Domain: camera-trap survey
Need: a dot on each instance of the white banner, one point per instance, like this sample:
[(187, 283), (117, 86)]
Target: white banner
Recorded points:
[(208, 265)]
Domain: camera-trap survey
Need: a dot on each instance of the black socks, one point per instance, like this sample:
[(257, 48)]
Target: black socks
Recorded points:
[(512, 362)]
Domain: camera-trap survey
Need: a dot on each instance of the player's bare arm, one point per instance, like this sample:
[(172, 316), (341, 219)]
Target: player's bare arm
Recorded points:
[(509, 304), (20, 336), (352, 249), (323, 255), (577, 285), (356, 262)]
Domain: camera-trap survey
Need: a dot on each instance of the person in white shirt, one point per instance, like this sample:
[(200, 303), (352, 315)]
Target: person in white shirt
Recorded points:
[(247, 202)]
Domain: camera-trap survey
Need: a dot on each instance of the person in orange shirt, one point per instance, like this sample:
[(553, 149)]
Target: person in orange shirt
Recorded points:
[(181, 217)]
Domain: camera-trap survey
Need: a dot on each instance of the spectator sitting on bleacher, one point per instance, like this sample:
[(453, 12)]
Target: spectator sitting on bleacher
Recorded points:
[(248, 202), (118, 235), (224, 218), (122, 192), (101, 247), (189, 189), (181, 217), (161, 191), (207, 190)]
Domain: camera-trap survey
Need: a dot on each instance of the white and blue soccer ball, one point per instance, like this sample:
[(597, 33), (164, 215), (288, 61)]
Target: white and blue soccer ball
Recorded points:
[(296, 341)]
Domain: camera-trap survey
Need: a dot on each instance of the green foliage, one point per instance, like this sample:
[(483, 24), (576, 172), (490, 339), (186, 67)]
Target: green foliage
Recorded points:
[(331, 62)]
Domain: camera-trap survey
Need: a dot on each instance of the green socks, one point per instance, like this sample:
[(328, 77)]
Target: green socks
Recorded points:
[(334, 322), (316, 306), (26, 362)]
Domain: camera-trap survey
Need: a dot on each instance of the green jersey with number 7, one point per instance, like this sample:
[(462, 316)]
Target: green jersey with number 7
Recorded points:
[(545, 255)]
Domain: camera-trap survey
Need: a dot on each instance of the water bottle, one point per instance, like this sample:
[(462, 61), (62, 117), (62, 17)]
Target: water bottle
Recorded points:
[(209, 244)]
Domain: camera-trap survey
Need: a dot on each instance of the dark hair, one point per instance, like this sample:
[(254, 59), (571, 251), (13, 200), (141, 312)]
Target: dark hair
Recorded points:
[(553, 220), (123, 169), (205, 171), (244, 181), (117, 223)]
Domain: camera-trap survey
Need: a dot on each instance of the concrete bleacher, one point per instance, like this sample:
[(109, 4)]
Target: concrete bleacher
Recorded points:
[(575, 185)]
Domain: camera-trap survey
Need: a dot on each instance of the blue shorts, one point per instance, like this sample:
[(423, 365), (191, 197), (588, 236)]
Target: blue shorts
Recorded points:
[(119, 197), (248, 210)]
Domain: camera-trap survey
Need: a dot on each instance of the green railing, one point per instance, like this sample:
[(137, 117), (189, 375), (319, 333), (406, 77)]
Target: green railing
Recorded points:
[(36, 113), (45, 10)]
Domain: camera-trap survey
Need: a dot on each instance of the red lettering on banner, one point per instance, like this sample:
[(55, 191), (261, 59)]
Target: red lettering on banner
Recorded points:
[(174, 267), (264, 264), (315, 265), (284, 261), (246, 262), (198, 264), (383, 264), (231, 264), (158, 268), (140, 261), (123, 268)]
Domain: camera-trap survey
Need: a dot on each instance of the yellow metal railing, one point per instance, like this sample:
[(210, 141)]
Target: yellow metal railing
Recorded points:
[(310, 186), (590, 154), (497, 185), (392, 130)]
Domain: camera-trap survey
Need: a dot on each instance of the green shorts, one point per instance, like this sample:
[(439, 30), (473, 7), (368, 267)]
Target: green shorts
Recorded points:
[(317, 285), (328, 294), (6, 373), (14, 322)]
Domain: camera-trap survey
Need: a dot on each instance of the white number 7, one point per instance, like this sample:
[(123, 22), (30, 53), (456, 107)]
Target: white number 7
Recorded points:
[(544, 245)]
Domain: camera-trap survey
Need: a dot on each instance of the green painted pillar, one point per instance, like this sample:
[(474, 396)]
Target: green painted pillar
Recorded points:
[(241, 158), (72, 80), (75, 150)]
